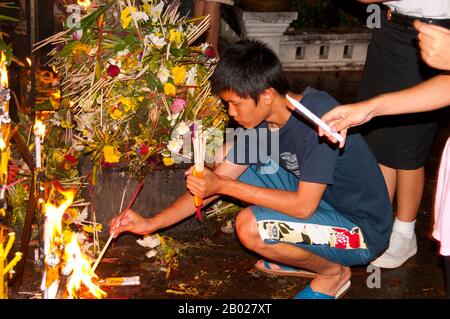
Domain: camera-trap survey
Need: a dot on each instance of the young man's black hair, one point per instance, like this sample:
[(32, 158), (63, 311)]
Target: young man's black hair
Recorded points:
[(248, 68)]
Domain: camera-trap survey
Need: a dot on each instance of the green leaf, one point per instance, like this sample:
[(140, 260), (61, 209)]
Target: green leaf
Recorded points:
[(44, 106), (98, 71), (67, 49), (119, 47), (7, 50), (6, 18), (182, 52), (130, 40), (89, 20)]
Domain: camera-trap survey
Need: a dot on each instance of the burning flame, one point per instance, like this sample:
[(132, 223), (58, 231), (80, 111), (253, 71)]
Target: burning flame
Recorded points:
[(39, 128), (2, 144), (81, 271), (28, 61), (76, 266), (84, 3), (54, 214), (4, 74)]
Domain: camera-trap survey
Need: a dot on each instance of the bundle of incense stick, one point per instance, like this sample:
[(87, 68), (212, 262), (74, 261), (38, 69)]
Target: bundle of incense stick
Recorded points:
[(199, 142)]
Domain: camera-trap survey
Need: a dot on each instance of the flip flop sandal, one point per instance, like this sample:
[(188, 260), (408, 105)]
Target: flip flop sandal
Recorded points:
[(308, 293), (282, 270)]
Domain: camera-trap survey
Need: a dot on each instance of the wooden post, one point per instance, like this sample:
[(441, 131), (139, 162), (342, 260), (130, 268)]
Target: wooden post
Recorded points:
[(26, 233)]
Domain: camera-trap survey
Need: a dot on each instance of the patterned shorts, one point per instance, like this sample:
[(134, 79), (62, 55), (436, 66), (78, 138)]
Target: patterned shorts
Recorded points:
[(327, 233)]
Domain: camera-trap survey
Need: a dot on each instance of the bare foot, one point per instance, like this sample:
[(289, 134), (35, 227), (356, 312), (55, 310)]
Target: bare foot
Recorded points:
[(330, 281)]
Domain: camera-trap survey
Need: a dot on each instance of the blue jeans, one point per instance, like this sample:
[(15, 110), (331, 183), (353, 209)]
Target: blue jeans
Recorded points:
[(327, 233)]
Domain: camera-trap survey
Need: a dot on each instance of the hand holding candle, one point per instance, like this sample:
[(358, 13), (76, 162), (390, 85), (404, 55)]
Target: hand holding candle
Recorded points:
[(199, 142), (312, 117), (198, 202)]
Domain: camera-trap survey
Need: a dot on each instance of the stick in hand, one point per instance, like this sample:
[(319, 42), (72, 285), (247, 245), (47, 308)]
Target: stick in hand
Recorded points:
[(117, 225)]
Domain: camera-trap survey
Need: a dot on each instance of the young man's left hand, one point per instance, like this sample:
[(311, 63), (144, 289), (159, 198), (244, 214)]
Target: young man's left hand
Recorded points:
[(205, 186)]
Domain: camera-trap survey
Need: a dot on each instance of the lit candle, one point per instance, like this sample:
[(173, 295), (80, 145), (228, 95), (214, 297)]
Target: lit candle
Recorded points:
[(39, 130)]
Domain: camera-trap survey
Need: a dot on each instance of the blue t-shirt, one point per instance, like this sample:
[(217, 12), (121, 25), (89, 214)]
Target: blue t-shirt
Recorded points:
[(356, 187)]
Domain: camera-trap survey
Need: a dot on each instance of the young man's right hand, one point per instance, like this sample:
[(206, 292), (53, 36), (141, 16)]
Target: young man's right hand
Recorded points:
[(130, 221)]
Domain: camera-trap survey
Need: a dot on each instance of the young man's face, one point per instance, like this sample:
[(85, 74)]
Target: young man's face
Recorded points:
[(244, 110)]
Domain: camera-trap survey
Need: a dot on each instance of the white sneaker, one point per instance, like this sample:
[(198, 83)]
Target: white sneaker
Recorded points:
[(400, 250)]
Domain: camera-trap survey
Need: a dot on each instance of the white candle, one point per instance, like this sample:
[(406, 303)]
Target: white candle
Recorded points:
[(39, 131), (313, 118), (37, 144)]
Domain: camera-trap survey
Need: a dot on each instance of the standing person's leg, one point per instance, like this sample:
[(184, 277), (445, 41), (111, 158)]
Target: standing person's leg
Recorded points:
[(410, 185), (403, 243), (401, 144), (390, 177), (199, 8), (213, 9)]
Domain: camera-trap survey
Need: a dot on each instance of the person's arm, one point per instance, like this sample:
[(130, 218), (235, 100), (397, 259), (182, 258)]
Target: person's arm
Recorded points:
[(426, 96), (180, 209), (301, 204)]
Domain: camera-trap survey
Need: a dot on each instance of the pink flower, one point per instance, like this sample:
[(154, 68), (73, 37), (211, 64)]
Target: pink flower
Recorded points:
[(178, 105), (113, 70), (77, 34)]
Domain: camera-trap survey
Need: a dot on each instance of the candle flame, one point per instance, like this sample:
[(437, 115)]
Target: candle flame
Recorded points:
[(84, 3), (39, 128), (57, 95), (28, 61), (4, 73), (2, 144)]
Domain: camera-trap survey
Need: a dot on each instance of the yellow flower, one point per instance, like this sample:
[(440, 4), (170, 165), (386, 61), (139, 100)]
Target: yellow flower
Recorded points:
[(179, 74), (70, 215), (81, 48), (116, 114), (147, 8), (168, 161), (217, 121), (90, 228), (175, 36), (170, 89), (129, 103), (125, 16), (111, 154)]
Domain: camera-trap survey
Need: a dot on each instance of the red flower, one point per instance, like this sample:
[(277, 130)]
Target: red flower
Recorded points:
[(210, 52), (113, 70), (144, 149), (70, 158)]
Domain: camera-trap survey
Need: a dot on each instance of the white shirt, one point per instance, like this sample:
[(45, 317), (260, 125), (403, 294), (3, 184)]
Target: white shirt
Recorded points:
[(437, 9)]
